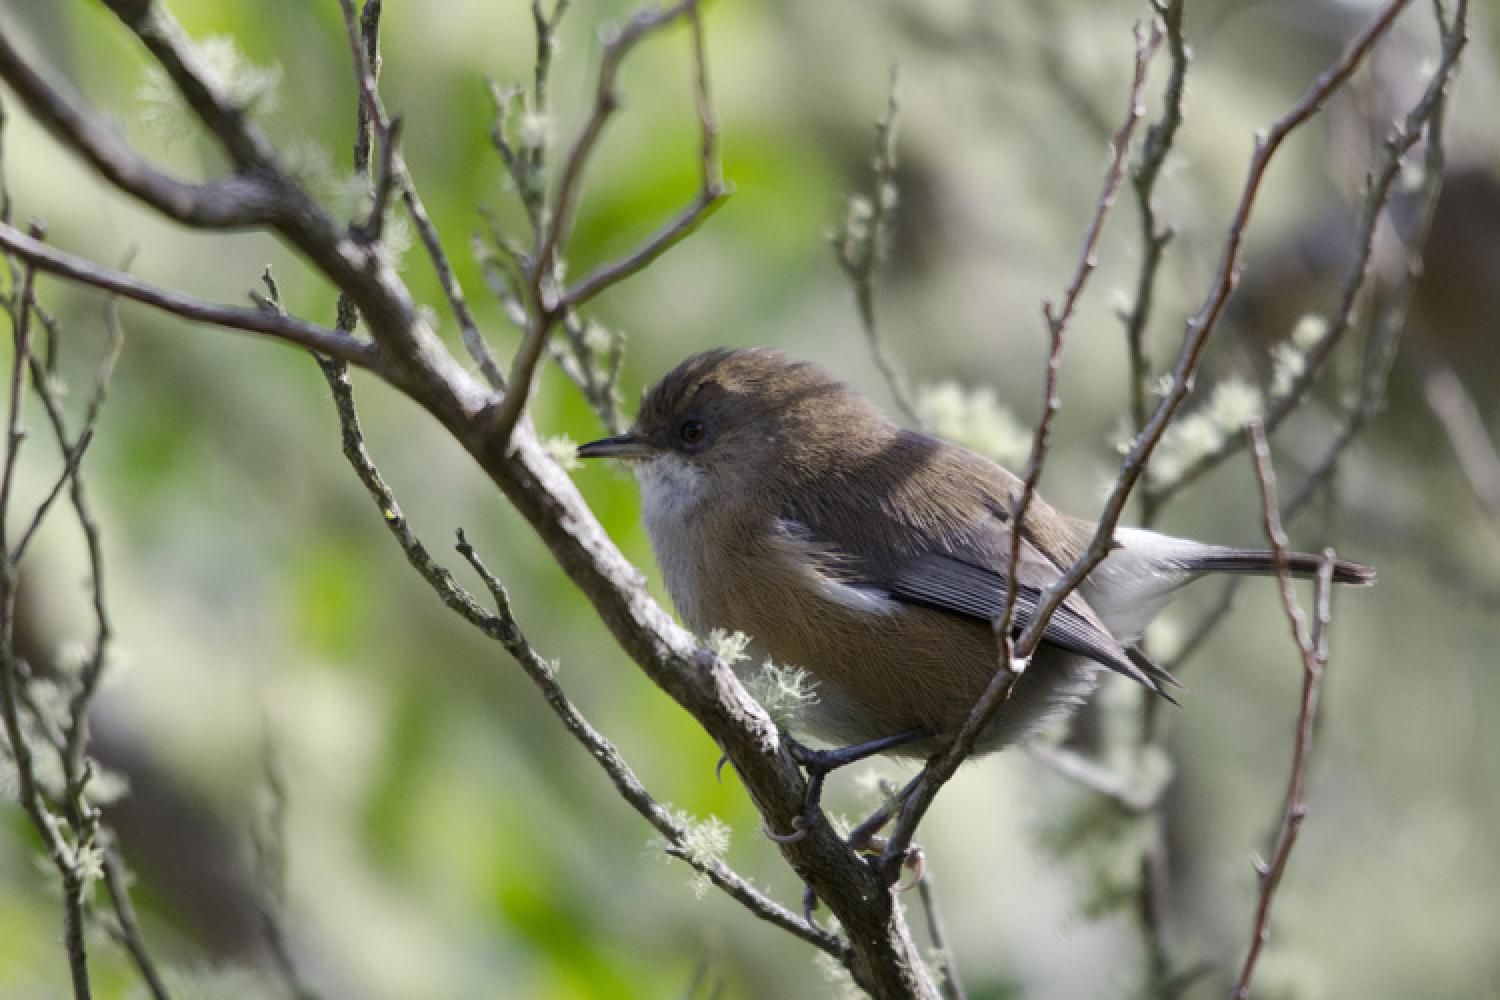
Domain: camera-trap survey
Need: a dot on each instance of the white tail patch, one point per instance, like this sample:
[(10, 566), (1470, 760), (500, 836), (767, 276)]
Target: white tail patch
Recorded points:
[(1135, 581)]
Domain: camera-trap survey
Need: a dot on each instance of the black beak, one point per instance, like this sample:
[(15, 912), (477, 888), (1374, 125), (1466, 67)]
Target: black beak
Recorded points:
[(620, 446)]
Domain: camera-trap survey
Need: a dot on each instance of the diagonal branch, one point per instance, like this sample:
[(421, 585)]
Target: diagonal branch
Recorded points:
[(1013, 662), (281, 327), (1205, 321), (363, 32), (1428, 117), (883, 958), (1419, 122), (237, 202), (546, 303), (501, 626), (1314, 651)]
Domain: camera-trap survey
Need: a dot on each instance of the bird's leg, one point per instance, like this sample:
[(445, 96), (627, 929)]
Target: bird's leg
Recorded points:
[(863, 839), (819, 763)]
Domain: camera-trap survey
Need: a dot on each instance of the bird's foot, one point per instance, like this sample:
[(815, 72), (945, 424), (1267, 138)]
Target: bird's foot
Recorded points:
[(818, 764)]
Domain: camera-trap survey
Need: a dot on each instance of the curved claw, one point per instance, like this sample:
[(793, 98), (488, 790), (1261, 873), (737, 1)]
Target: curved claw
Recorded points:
[(916, 859), (719, 768), (799, 831), (809, 904)]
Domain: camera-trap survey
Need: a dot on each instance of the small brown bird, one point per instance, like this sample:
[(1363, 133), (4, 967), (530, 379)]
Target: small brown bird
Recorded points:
[(782, 504)]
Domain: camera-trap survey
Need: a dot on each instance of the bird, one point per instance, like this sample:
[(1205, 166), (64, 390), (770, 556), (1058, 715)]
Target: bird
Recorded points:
[(782, 504)]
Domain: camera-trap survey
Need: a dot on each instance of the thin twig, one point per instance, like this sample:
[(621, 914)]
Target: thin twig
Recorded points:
[(62, 855), (862, 243), (1206, 319), (234, 203), (502, 627), (363, 36), (116, 882), (1154, 236), (1418, 122), (1314, 651), (1013, 661), (71, 740), (507, 260), (545, 302), (281, 327), (1388, 324)]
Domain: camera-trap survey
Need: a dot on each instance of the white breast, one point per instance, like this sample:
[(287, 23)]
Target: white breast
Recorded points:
[(671, 490)]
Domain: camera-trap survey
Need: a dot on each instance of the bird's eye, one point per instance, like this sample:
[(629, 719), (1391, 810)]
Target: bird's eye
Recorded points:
[(691, 431)]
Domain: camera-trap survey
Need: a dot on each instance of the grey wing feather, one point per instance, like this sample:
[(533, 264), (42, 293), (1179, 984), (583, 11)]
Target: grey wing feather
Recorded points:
[(948, 583)]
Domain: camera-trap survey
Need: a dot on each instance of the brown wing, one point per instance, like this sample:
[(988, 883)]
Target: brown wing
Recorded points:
[(884, 527)]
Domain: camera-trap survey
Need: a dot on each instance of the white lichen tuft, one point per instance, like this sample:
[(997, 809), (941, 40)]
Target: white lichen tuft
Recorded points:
[(976, 419), (88, 862), (1308, 331), (247, 85), (564, 451), (841, 984), (533, 130), (704, 842), (784, 692), (1233, 403), (1288, 362), (597, 338), (728, 646)]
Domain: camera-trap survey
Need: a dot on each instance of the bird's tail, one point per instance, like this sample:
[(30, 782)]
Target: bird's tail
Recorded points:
[(1222, 559)]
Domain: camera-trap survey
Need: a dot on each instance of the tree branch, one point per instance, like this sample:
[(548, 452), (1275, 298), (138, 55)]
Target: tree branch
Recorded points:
[(1314, 650), (1013, 661), (502, 627), (239, 202), (545, 302), (363, 33), (1154, 237), (1418, 122), (860, 245), (281, 327)]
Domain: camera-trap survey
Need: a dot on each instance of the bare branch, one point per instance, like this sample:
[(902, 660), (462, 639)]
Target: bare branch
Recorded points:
[(118, 887), (545, 302), (1314, 650), (1154, 237), (861, 243), (234, 203), (62, 855), (1013, 662), (1204, 322), (502, 627), (1388, 323), (948, 980), (1419, 121), (364, 44), (280, 326)]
